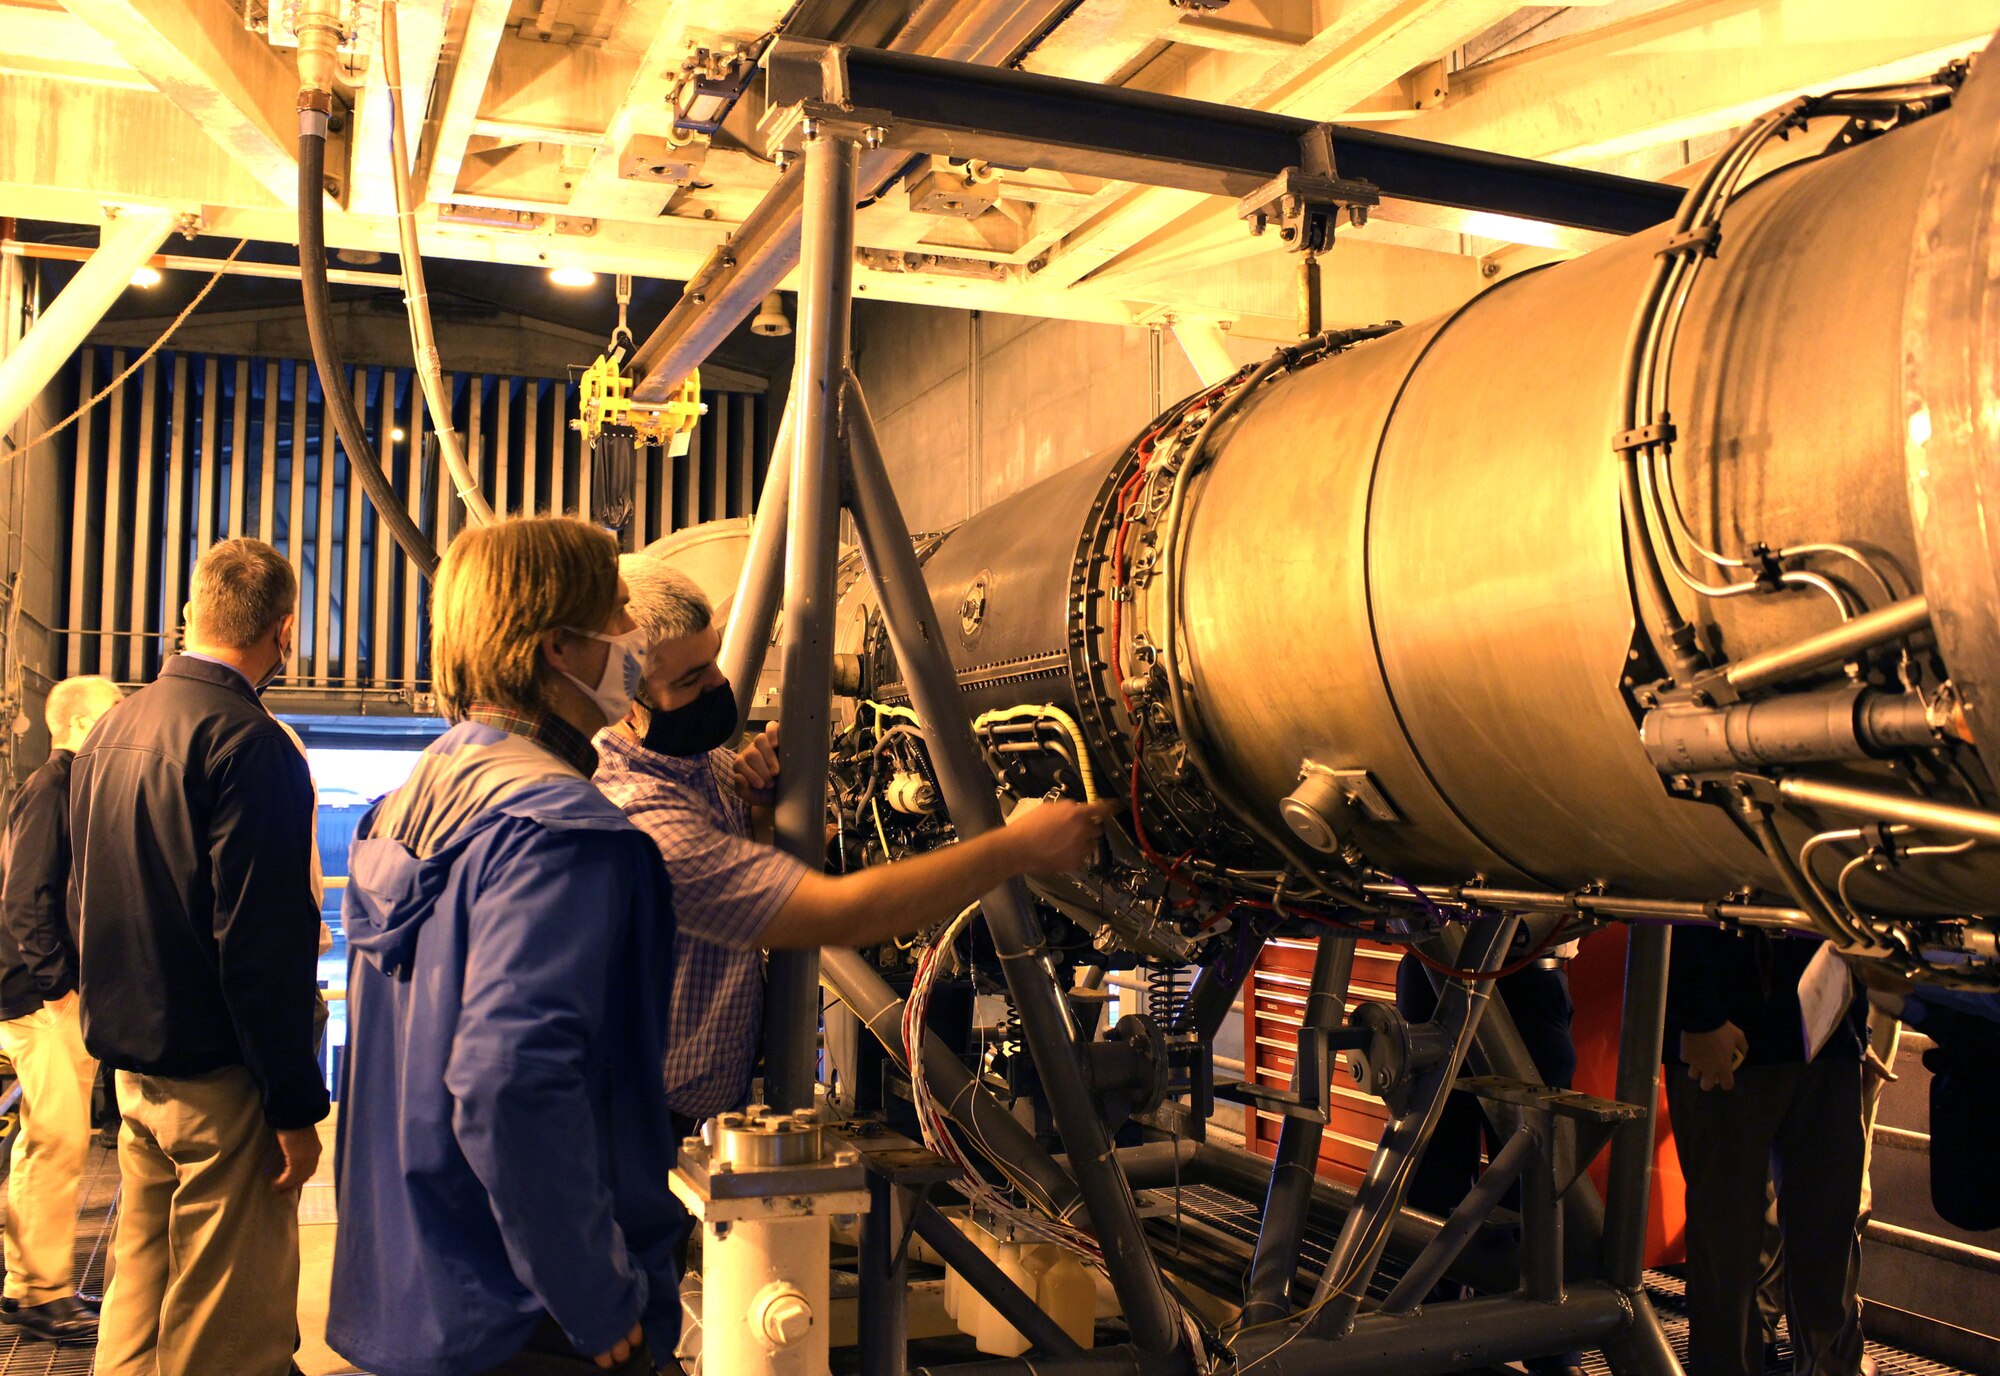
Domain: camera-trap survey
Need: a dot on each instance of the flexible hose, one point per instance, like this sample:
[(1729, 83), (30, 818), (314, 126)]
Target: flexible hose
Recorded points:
[(416, 296), (389, 508)]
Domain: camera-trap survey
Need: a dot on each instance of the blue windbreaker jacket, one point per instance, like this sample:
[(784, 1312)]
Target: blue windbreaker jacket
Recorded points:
[(504, 1139)]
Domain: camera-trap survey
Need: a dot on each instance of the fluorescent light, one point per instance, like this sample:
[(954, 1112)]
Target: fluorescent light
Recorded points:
[(146, 276), (573, 277), (396, 435)]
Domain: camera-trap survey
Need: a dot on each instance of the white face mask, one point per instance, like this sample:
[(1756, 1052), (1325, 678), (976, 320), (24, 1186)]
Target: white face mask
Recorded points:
[(624, 666)]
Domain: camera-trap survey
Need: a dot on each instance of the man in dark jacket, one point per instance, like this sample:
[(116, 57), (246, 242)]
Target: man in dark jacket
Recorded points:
[(504, 1131), (1750, 1108), (191, 817), (40, 1031)]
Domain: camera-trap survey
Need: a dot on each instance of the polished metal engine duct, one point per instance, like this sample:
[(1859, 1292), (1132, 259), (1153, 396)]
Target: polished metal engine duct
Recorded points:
[(1406, 597)]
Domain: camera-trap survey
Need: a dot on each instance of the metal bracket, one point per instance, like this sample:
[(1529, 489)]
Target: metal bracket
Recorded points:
[(1307, 201)]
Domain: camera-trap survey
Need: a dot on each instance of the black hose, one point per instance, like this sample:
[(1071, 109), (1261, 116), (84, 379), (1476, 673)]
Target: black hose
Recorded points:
[(389, 508)]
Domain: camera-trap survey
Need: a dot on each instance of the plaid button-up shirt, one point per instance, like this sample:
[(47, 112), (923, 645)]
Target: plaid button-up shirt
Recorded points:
[(727, 888)]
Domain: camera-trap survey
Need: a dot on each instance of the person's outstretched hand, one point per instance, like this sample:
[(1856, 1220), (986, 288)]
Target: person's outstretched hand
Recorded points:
[(624, 1349), (1054, 838)]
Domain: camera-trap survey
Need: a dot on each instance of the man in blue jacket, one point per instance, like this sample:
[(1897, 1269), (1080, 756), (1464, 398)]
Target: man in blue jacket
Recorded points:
[(504, 1134)]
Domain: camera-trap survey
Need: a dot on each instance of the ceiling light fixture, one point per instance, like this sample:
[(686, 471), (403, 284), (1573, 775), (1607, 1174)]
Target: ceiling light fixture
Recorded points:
[(146, 276), (573, 277), (396, 435)]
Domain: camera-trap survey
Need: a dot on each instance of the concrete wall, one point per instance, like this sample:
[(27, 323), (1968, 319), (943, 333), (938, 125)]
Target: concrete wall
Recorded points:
[(974, 407)]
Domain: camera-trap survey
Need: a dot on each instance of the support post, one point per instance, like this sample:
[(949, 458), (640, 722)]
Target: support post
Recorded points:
[(884, 1336), (1366, 1231), (919, 642), (1628, 1195), (753, 610), (812, 551), (1295, 1167), (39, 355)]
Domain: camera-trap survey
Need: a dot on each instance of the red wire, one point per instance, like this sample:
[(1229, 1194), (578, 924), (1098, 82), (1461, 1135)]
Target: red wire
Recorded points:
[(1446, 968)]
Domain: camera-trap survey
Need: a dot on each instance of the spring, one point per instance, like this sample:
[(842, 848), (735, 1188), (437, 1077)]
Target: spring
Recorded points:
[(1166, 992)]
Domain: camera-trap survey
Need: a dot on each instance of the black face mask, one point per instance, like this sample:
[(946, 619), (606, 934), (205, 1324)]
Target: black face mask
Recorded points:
[(707, 723)]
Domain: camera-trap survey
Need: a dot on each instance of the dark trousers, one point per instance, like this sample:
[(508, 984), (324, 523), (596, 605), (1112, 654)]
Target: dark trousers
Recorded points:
[(549, 1353), (1538, 1001), (1798, 1127)]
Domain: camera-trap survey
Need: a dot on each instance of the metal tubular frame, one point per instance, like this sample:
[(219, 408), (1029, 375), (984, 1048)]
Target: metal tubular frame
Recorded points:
[(798, 525), (1499, 1176), (812, 551), (1294, 1168), (1365, 1235), (918, 642)]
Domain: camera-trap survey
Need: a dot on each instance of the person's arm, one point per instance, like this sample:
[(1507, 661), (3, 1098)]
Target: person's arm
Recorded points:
[(885, 901), (266, 932), (1711, 1045), (34, 899), (546, 931)]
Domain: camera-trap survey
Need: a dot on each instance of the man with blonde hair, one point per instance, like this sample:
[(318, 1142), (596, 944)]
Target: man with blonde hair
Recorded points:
[(504, 1138), (191, 817), (40, 1030)]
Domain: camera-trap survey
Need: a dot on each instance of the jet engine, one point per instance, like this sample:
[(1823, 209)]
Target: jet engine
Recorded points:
[(1658, 584)]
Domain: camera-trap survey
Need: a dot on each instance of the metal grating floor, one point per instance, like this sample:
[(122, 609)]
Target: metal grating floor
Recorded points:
[(22, 1355), (1206, 1208)]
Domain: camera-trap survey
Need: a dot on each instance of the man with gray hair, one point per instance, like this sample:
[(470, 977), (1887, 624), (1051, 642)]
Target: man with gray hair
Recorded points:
[(41, 1032), (733, 896)]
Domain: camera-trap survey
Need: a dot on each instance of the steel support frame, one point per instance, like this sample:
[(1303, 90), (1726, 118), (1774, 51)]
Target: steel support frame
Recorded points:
[(799, 526), (909, 104)]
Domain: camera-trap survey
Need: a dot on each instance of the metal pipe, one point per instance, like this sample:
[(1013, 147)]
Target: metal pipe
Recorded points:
[(1275, 1264), (1542, 1216), (753, 610), (1458, 1336), (918, 642), (1642, 1349), (1929, 1244), (986, 1122), (1428, 1269), (417, 297), (1891, 807), (1628, 1193), (1213, 995), (1488, 1264), (979, 1271), (1851, 722), (1366, 1233), (1833, 646), (1637, 909), (812, 552), (34, 360)]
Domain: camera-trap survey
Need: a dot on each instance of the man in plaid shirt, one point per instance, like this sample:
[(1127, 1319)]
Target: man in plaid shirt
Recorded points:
[(734, 896)]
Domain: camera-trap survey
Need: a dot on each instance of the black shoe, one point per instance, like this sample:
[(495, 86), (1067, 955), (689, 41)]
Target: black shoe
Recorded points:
[(61, 1321)]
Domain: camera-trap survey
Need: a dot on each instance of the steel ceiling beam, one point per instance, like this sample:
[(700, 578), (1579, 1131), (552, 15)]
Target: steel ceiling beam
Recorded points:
[(925, 105), (928, 105)]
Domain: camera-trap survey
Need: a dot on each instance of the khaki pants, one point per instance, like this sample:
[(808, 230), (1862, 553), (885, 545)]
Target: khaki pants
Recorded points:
[(55, 1073), (207, 1252)]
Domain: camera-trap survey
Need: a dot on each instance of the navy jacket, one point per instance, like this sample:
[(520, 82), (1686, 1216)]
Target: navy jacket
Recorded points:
[(504, 1137), (37, 930), (191, 827)]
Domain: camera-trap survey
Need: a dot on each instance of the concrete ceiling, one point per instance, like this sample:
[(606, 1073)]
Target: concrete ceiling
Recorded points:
[(541, 117)]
